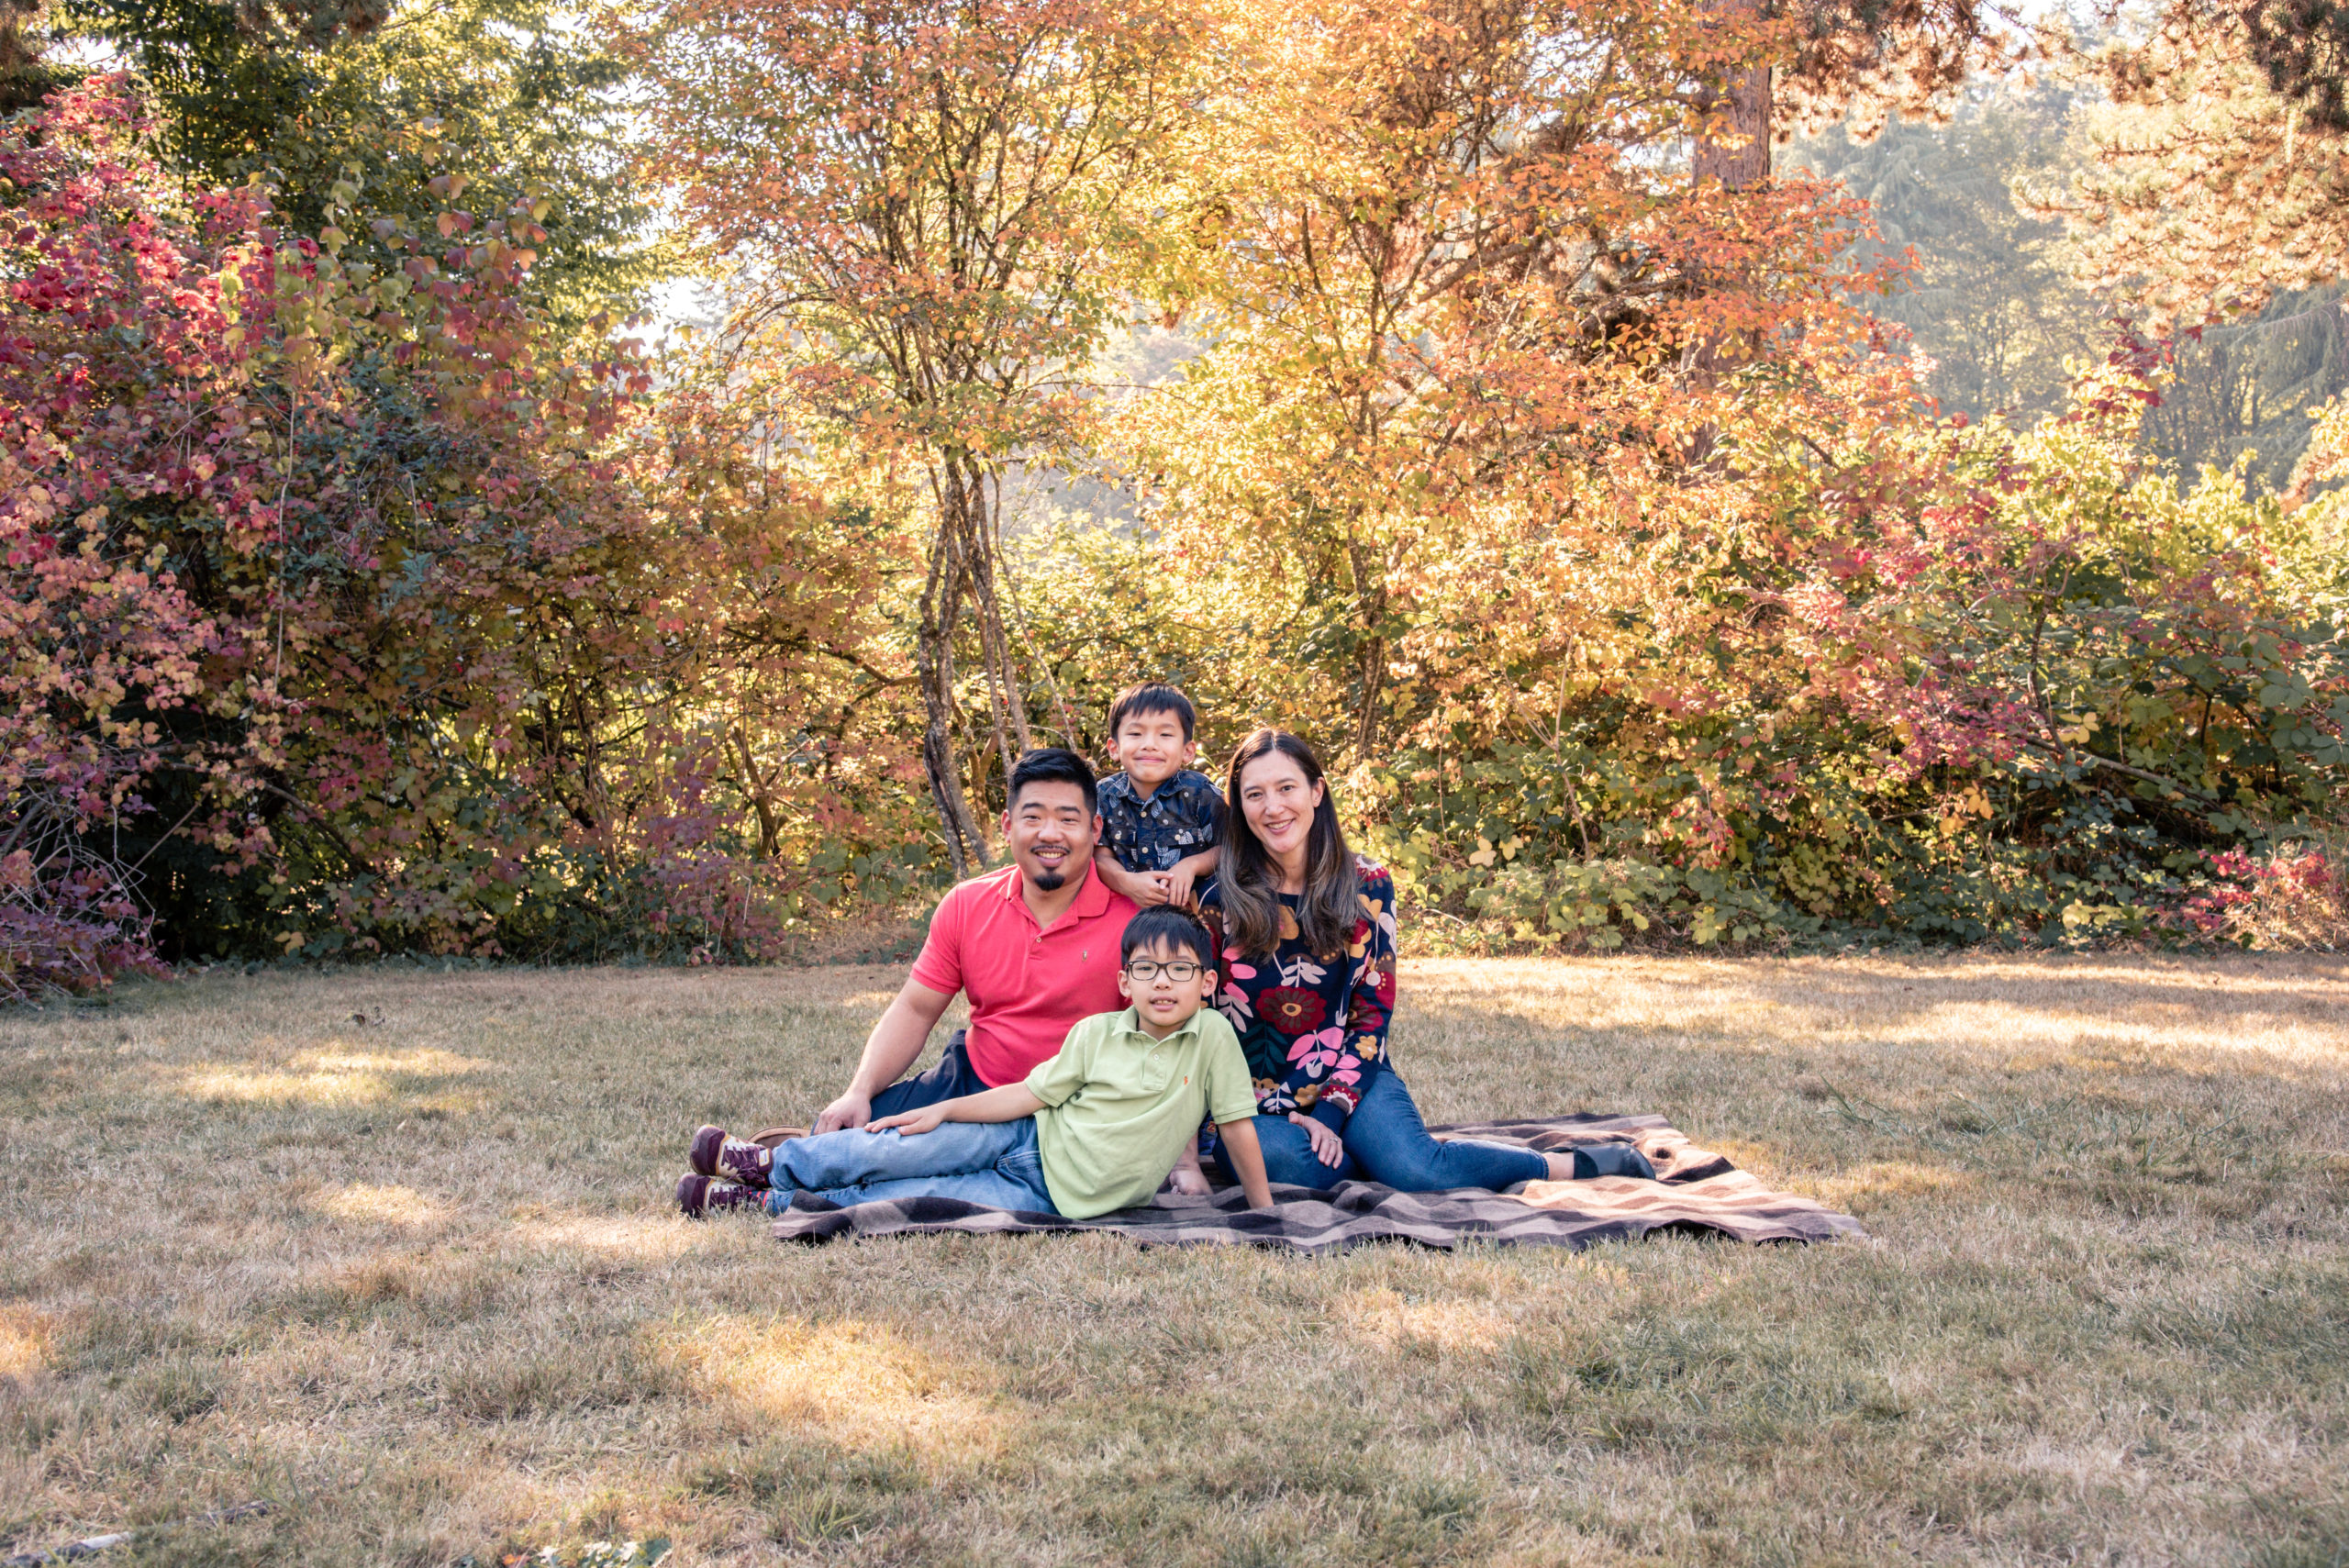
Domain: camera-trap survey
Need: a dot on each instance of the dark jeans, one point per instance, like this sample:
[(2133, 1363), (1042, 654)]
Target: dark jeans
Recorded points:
[(951, 1078), (1388, 1143)]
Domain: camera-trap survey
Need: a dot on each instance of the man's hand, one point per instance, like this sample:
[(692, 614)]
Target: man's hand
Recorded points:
[(895, 1045), (850, 1110), (929, 1118), (1327, 1146)]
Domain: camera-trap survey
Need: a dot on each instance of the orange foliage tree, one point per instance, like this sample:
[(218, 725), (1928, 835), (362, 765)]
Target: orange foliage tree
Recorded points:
[(1460, 283), (921, 210)]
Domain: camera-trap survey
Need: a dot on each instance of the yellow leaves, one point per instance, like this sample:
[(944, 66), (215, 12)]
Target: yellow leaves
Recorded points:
[(2079, 732), (1487, 852), (1961, 811)]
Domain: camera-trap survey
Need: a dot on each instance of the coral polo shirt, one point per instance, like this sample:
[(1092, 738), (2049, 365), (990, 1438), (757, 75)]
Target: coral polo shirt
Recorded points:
[(1027, 987)]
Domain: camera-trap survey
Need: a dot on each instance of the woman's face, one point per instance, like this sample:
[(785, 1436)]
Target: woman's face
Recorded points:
[(1278, 802)]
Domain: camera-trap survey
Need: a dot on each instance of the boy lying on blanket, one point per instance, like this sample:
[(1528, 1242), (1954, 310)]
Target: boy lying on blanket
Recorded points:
[(1095, 1127)]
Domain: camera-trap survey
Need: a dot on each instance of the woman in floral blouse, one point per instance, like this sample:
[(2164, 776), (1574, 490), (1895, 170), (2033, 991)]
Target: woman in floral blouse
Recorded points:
[(1306, 930)]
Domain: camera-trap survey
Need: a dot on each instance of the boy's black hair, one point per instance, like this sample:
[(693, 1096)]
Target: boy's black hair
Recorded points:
[(1163, 925), (1154, 696), (1050, 764)]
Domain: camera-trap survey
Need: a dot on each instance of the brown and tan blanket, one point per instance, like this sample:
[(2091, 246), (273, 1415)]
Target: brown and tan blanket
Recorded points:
[(1694, 1191)]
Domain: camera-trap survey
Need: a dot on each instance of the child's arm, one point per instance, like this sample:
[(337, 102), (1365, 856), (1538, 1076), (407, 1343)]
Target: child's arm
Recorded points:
[(1144, 887), (1008, 1104), (1187, 872), (1247, 1157)]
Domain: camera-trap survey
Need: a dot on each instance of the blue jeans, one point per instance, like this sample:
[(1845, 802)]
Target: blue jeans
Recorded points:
[(951, 1078), (1388, 1143), (990, 1162)]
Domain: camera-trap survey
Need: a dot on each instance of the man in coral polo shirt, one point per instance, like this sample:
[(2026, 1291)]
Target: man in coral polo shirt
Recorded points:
[(1034, 946)]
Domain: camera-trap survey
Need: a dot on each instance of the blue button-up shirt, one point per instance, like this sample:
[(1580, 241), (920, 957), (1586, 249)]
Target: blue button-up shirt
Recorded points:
[(1181, 817)]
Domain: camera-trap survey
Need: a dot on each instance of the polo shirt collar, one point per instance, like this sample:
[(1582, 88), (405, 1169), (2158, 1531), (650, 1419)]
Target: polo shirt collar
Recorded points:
[(1131, 1021)]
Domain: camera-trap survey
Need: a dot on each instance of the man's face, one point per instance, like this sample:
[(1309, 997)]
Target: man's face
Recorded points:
[(1152, 747), (1051, 828)]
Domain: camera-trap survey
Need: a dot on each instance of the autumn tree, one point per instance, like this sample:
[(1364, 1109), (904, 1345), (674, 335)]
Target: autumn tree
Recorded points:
[(1457, 283), (919, 206)]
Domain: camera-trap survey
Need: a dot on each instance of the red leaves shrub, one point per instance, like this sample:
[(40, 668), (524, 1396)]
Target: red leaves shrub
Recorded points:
[(2297, 898), (441, 637)]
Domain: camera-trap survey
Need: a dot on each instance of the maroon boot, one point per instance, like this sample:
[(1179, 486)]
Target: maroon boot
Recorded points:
[(700, 1195), (738, 1160)]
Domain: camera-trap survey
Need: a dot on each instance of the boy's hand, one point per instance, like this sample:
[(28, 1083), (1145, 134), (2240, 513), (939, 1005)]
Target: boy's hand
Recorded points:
[(1186, 1177), (1145, 888), (929, 1118), (1183, 880)]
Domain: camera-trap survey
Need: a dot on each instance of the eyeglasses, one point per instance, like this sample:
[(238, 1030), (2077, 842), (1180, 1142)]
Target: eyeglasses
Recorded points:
[(1179, 971)]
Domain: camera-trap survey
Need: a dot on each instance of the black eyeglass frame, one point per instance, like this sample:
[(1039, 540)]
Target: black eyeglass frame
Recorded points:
[(1151, 969)]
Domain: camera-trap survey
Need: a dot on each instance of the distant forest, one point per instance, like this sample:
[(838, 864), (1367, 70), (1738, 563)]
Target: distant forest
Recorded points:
[(1993, 304)]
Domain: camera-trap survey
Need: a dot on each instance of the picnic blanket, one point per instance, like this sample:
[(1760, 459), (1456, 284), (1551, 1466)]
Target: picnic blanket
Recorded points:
[(1695, 1190)]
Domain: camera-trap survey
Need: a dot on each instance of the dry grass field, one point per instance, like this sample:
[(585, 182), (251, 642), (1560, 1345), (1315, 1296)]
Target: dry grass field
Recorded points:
[(414, 1279)]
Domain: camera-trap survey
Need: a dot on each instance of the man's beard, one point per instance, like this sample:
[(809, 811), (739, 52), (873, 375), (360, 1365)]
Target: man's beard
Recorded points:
[(1048, 881)]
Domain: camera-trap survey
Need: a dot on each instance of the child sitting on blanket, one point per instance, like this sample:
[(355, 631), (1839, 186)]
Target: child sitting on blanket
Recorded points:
[(1095, 1127)]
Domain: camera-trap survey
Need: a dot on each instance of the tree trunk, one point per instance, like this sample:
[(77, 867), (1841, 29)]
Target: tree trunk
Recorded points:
[(1370, 595), (941, 604), (986, 546), (1736, 159), (769, 830), (1373, 682), (1740, 157)]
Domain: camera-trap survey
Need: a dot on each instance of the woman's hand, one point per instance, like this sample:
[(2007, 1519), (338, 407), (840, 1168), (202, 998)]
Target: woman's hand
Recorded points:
[(1327, 1146)]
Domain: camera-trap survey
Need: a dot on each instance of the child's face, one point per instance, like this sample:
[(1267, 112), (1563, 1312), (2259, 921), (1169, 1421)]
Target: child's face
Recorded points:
[(1152, 747), (1164, 1000)]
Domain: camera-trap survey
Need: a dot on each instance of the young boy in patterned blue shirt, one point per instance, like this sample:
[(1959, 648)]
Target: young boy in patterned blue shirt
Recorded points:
[(1161, 822)]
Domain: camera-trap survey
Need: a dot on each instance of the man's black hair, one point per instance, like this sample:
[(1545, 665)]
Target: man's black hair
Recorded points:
[(1154, 696), (1050, 764), (1163, 925)]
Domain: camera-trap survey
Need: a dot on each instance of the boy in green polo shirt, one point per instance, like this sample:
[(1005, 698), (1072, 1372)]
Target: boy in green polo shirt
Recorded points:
[(1095, 1127)]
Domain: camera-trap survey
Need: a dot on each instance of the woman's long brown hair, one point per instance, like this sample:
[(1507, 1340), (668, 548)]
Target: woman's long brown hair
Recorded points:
[(1250, 882)]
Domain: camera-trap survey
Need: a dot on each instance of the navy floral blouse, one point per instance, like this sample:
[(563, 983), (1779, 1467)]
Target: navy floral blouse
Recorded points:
[(1314, 1030)]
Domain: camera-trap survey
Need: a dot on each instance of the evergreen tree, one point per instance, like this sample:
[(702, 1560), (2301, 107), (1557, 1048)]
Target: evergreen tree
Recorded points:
[(507, 94), (1989, 304)]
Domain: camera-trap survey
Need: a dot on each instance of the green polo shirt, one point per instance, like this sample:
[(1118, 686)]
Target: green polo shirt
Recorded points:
[(1119, 1106)]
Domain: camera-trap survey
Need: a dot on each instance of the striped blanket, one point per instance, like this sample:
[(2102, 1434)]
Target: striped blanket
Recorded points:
[(1694, 1191)]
